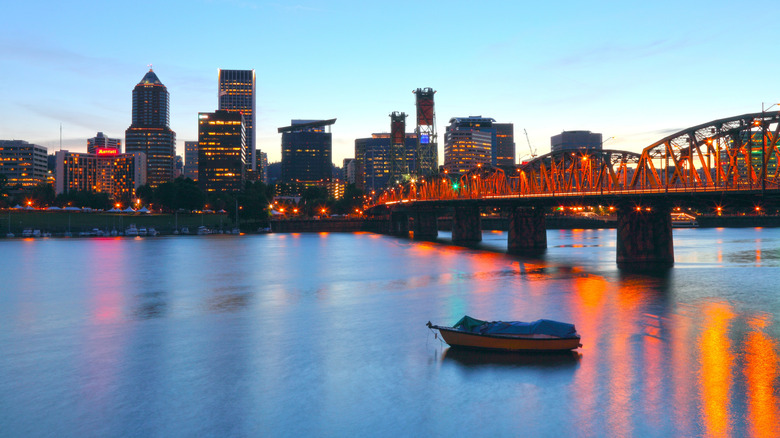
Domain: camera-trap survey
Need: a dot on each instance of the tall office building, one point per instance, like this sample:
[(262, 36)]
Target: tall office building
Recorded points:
[(504, 146), (149, 132), (237, 93), (23, 163), (102, 143), (372, 159), (222, 151), (191, 160), (575, 140), (306, 152), (468, 143)]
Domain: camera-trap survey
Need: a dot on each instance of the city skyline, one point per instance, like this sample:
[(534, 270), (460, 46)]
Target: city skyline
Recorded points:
[(631, 74)]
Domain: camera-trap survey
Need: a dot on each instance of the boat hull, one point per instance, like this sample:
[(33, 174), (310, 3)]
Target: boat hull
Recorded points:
[(461, 339)]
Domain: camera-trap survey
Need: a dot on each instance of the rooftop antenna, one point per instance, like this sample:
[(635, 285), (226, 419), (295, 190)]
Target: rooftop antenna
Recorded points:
[(60, 135)]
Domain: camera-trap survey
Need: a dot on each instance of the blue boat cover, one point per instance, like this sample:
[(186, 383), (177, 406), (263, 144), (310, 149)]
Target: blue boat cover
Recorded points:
[(540, 327)]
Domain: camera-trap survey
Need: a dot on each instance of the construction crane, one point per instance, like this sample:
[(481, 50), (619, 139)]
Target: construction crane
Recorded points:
[(531, 149)]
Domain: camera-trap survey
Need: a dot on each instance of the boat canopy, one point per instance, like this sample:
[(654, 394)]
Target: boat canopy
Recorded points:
[(538, 327)]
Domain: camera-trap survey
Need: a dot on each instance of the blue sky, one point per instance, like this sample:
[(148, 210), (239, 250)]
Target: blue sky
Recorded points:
[(633, 71)]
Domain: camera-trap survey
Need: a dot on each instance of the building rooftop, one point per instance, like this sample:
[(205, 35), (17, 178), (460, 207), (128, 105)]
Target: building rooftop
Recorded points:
[(304, 126), (150, 79)]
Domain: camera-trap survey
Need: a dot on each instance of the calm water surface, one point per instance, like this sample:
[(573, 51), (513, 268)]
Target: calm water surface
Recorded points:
[(324, 335)]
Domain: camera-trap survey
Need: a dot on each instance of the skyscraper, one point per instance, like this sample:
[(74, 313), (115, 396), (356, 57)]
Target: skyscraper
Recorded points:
[(372, 159), (575, 140), (468, 143), (222, 152), (504, 146), (101, 142), (237, 93), (306, 152), (149, 132)]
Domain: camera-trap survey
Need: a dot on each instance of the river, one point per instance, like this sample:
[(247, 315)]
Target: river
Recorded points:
[(285, 335)]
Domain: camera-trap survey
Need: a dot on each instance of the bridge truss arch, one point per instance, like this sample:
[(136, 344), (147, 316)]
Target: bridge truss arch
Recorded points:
[(736, 153), (575, 171)]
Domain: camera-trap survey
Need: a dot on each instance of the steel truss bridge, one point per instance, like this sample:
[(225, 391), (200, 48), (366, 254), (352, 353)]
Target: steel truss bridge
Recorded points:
[(733, 155), (731, 161)]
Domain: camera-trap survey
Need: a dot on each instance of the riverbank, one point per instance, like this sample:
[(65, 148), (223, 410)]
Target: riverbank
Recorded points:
[(58, 222)]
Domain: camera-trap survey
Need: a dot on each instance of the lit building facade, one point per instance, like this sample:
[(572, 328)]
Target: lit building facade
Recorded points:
[(101, 142), (222, 151), (372, 159), (149, 132), (237, 93), (575, 140), (118, 175), (504, 145), (23, 163), (262, 167), (191, 160), (468, 143), (307, 152)]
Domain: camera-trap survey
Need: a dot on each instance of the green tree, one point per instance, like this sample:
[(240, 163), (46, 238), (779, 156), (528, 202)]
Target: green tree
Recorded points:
[(42, 194)]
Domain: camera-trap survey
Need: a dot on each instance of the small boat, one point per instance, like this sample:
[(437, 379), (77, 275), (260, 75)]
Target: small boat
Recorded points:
[(131, 231), (185, 230), (27, 232), (142, 231), (152, 232), (540, 335), (202, 231)]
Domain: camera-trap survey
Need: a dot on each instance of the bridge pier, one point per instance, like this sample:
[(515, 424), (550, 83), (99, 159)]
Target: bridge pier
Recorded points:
[(399, 224), (644, 238), (527, 231), (466, 225), (425, 225)]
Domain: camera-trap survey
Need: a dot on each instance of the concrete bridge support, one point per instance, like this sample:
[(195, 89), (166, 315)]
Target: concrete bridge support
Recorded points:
[(527, 231), (644, 237), (399, 224), (425, 225), (466, 225)]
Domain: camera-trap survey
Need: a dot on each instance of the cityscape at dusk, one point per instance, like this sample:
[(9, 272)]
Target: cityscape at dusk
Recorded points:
[(633, 73), (244, 218)]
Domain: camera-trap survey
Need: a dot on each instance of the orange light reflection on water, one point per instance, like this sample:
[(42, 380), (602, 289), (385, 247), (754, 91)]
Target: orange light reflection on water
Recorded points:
[(588, 307), (761, 373), (715, 373)]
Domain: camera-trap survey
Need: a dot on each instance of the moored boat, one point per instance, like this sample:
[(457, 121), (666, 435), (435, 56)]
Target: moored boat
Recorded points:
[(540, 335)]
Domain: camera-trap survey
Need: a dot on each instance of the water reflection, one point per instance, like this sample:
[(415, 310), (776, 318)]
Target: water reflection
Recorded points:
[(201, 336), (475, 359)]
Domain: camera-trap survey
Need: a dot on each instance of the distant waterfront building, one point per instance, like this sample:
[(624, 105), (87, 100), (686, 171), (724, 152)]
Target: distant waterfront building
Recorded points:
[(504, 146), (372, 159), (102, 143), (118, 175), (468, 143), (191, 160), (23, 163), (262, 166), (149, 132), (178, 166), (575, 140), (307, 152), (222, 151), (237, 93), (349, 170)]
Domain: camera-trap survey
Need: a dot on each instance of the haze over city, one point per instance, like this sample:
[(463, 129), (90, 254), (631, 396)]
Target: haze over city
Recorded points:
[(634, 74)]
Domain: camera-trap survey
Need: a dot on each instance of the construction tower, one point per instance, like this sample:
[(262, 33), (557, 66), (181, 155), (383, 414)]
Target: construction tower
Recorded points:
[(427, 157), (399, 167)]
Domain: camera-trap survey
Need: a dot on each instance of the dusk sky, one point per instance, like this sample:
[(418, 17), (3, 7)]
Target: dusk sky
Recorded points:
[(635, 71)]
